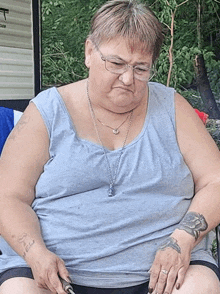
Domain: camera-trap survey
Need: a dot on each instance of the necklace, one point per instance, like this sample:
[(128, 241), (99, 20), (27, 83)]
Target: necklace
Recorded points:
[(114, 130), (112, 175)]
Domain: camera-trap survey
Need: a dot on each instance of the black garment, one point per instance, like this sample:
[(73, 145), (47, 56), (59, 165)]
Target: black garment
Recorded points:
[(139, 289)]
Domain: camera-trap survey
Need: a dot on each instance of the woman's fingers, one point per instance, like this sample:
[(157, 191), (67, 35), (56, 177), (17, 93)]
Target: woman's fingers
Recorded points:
[(181, 277), (62, 270), (50, 281), (170, 264), (163, 281), (154, 274), (55, 284), (168, 271), (47, 269), (171, 279)]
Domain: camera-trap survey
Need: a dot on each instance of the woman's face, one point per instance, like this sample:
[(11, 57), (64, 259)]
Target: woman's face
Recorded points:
[(116, 92)]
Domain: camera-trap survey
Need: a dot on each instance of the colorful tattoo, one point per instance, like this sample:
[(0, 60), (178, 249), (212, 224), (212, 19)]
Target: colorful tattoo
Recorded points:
[(172, 243), (193, 223)]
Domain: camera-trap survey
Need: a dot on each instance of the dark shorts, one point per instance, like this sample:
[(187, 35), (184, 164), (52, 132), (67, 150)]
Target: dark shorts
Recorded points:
[(140, 289)]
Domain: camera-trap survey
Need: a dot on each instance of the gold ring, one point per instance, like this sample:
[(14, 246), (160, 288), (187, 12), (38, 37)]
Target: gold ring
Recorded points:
[(165, 272)]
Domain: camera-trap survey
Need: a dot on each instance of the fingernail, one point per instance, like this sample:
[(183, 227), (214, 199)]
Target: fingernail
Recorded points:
[(69, 279), (177, 286), (150, 290)]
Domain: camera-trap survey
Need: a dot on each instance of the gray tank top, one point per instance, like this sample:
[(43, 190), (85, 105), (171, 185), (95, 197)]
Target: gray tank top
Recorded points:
[(111, 241)]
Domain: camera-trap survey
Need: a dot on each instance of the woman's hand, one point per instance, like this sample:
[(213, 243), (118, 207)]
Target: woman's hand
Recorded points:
[(46, 268), (169, 267)]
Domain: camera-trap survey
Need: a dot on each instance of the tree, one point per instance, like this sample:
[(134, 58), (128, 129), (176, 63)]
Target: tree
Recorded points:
[(190, 25), (204, 88), (201, 73)]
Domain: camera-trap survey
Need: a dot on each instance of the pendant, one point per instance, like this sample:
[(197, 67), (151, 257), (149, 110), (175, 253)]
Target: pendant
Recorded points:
[(115, 131), (111, 190)]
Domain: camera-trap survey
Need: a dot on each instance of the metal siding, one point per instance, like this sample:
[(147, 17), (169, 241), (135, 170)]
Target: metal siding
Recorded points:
[(18, 31), (16, 51)]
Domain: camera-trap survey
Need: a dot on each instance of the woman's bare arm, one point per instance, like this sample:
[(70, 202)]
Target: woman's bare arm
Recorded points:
[(203, 159), (21, 164), (22, 161)]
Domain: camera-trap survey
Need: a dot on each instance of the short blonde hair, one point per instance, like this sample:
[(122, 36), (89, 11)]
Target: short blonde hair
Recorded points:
[(128, 19)]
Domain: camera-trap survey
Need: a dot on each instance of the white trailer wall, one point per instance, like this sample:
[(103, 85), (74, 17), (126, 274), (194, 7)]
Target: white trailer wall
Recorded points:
[(16, 50)]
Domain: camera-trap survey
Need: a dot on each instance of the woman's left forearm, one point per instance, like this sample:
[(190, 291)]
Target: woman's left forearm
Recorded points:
[(204, 212)]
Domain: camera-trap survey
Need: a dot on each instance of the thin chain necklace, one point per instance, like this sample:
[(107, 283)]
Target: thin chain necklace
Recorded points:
[(114, 130), (112, 175)]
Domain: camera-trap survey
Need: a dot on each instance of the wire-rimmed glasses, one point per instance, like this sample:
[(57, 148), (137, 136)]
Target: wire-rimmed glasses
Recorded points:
[(119, 66)]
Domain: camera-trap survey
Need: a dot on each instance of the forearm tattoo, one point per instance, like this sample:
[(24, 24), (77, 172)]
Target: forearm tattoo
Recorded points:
[(172, 243), (193, 223), (26, 243)]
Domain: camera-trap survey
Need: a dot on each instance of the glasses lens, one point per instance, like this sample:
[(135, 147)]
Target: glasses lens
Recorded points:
[(115, 66), (143, 74)]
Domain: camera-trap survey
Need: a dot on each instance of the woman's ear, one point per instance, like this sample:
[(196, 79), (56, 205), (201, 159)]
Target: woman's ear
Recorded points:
[(89, 47)]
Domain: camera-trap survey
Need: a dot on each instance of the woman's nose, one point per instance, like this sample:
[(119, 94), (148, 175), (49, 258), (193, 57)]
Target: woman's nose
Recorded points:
[(128, 76)]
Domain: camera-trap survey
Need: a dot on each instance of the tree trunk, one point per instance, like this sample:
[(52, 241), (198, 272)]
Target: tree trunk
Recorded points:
[(203, 86), (199, 35)]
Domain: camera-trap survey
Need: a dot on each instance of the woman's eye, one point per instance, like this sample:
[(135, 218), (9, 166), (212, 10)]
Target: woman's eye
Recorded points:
[(142, 69), (117, 63)]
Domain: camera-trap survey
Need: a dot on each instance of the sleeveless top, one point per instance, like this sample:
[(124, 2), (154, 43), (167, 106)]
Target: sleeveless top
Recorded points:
[(106, 241), (6, 124)]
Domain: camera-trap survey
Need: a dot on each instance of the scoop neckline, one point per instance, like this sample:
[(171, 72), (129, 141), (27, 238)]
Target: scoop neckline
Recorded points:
[(134, 141)]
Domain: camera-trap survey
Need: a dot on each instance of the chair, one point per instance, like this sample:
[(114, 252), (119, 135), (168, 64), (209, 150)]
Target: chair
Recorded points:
[(8, 118)]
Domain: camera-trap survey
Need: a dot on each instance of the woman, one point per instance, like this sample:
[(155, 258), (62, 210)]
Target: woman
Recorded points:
[(115, 182)]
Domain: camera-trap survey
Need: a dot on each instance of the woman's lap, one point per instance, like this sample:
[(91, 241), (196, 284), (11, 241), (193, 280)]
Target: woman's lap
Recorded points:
[(23, 278), (21, 285), (199, 280), (17, 272)]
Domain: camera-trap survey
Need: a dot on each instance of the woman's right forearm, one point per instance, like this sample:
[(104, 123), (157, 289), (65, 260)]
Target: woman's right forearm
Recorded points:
[(20, 228)]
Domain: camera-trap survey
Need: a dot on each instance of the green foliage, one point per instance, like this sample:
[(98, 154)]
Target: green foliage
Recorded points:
[(65, 26), (60, 67), (213, 127), (183, 73), (183, 67), (214, 250), (186, 45)]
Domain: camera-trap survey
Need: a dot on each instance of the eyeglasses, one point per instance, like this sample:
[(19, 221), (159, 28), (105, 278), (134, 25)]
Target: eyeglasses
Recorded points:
[(118, 66)]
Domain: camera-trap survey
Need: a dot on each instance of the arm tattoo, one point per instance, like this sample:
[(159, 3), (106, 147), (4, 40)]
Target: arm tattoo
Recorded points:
[(26, 242), (193, 223), (19, 126), (172, 243)]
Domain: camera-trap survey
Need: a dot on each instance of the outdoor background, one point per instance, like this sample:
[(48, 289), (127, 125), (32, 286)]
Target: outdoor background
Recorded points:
[(65, 26)]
